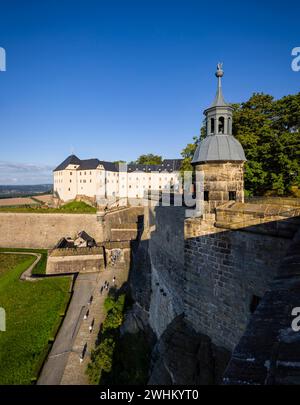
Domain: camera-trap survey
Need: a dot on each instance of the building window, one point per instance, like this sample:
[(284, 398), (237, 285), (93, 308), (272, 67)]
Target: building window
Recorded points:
[(229, 126), (71, 173), (221, 125), (212, 125), (69, 189), (206, 195), (70, 181), (232, 195), (90, 173), (84, 173), (90, 181), (254, 303)]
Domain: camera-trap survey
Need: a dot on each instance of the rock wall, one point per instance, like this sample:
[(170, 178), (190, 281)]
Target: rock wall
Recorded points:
[(183, 356), (269, 351), (18, 230), (208, 275), (225, 269), (166, 253)]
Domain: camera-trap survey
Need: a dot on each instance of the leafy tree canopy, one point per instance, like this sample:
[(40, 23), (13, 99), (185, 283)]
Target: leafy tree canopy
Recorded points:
[(149, 159)]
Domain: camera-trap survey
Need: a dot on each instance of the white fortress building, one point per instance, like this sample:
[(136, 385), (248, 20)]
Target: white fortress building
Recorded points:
[(103, 181)]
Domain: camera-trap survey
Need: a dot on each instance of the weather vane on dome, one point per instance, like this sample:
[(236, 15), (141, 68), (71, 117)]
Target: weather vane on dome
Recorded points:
[(220, 72)]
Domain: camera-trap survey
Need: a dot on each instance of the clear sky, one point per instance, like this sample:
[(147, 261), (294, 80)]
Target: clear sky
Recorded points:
[(115, 79)]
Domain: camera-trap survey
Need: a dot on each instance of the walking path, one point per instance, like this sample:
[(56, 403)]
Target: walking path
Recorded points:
[(74, 372), (63, 364), (27, 275)]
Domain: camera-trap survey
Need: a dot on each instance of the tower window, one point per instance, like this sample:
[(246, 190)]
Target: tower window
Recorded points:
[(212, 125), (206, 195), (229, 126), (232, 195), (221, 125)]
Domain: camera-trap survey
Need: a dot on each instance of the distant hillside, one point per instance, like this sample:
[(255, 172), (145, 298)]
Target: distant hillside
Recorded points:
[(24, 191)]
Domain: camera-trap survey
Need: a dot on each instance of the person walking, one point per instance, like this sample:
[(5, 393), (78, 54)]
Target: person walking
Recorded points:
[(91, 327)]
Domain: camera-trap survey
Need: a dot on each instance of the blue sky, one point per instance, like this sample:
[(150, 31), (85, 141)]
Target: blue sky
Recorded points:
[(115, 79)]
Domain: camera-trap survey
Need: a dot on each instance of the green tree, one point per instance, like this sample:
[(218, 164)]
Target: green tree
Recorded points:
[(187, 155), (269, 129), (149, 159)]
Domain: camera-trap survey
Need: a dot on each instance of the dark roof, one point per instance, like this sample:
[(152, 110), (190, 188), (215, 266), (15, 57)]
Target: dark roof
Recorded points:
[(88, 164), (71, 160), (168, 165), (85, 236), (64, 243), (216, 148), (110, 166)]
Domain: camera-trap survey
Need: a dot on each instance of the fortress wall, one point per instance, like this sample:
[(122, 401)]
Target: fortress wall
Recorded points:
[(211, 274), (166, 252), (225, 269), (74, 264), (20, 230)]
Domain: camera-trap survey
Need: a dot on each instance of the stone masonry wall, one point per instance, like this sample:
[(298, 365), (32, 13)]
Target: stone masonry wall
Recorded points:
[(224, 270), (219, 180), (44, 230), (166, 252), (74, 264)]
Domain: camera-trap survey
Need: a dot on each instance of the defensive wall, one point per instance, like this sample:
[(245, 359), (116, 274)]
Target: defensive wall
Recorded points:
[(43, 231)]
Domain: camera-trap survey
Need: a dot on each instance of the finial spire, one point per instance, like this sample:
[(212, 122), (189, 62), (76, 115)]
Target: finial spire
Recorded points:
[(219, 99)]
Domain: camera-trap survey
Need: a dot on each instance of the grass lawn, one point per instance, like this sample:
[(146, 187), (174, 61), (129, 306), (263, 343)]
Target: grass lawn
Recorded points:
[(40, 267), (33, 315), (74, 207)]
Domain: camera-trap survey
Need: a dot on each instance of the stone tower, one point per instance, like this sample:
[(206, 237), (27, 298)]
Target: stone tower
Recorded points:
[(219, 157)]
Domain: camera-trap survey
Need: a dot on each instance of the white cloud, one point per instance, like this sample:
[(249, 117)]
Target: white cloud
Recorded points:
[(12, 173)]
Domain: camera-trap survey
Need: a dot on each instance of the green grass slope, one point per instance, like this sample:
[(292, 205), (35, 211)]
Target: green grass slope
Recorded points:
[(33, 312)]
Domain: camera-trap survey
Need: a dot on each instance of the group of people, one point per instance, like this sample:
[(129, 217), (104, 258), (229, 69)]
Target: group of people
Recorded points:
[(106, 285), (86, 315)]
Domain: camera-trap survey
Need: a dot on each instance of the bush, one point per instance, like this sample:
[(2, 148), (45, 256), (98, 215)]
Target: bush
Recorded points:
[(102, 356)]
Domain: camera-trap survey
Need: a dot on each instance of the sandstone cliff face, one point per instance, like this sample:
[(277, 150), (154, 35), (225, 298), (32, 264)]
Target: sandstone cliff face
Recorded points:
[(182, 356)]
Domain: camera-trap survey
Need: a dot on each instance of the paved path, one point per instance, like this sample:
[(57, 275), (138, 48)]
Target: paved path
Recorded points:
[(54, 367), (27, 275), (74, 372), (63, 365)]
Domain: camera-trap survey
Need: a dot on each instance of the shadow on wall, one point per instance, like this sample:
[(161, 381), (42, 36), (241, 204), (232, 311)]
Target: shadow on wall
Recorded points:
[(194, 287), (204, 288), (269, 351)]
